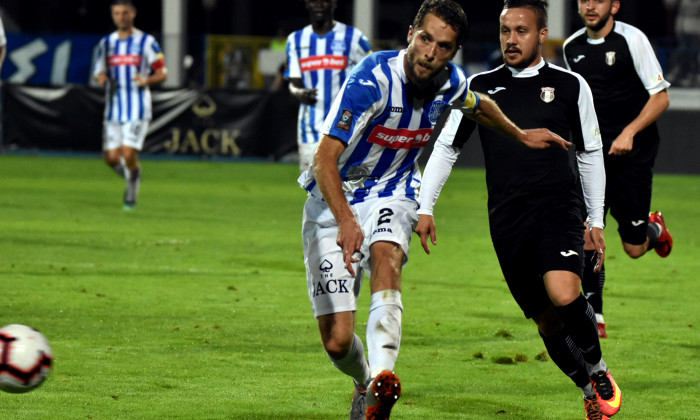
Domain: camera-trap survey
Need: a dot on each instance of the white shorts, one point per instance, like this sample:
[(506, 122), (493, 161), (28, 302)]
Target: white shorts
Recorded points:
[(118, 134), (331, 287), (306, 155)]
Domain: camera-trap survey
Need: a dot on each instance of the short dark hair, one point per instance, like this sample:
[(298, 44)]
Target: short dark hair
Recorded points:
[(449, 11), (538, 6), (123, 3)]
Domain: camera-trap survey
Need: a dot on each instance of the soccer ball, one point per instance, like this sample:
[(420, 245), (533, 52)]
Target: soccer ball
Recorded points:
[(25, 358)]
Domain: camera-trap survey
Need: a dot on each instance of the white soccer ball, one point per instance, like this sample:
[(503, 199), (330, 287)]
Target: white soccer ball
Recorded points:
[(25, 358)]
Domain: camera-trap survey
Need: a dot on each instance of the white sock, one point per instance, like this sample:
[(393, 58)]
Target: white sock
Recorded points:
[(384, 330), (599, 318), (133, 182), (354, 363)]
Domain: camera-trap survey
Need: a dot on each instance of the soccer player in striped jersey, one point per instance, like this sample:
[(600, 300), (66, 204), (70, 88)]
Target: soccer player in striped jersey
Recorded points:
[(320, 57), (536, 209), (364, 188), (128, 62), (630, 93)]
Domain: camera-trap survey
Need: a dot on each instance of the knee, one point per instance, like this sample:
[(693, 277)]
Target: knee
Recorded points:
[(564, 299), (634, 255), (112, 159), (337, 347), (131, 158), (635, 251), (337, 333)]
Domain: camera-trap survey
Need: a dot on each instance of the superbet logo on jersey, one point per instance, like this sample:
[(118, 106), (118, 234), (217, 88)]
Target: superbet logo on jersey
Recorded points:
[(323, 62), (125, 60), (400, 138)]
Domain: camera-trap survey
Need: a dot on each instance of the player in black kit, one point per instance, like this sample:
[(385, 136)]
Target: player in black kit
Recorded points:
[(629, 93), (536, 207)]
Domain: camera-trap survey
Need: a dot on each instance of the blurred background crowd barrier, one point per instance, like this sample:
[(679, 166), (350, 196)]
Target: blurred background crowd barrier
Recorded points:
[(225, 95)]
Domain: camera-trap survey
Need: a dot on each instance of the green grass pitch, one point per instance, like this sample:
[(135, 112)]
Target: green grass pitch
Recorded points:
[(194, 306)]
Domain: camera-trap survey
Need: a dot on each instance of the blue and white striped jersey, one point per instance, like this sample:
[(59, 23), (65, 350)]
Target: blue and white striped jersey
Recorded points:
[(122, 59), (322, 63), (386, 123)]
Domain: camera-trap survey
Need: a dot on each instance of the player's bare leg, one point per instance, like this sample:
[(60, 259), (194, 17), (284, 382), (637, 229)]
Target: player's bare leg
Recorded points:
[(658, 238), (384, 328), (636, 251), (346, 351), (114, 159)]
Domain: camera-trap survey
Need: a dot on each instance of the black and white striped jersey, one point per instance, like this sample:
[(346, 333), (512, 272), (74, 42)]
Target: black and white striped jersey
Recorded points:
[(622, 71)]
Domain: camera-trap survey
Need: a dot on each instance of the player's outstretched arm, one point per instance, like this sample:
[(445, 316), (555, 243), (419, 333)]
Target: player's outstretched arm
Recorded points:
[(350, 236), (304, 95), (437, 170), (158, 76), (491, 116)]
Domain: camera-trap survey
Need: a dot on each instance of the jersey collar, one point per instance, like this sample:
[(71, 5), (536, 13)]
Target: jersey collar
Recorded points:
[(528, 71), (600, 40)]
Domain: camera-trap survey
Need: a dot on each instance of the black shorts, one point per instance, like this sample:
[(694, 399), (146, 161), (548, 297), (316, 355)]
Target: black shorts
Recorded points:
[(628, 193), (553, 242)]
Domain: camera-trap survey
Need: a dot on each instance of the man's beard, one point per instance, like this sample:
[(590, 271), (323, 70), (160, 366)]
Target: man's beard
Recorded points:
[(524, 61), (420, 81), (601, 23)]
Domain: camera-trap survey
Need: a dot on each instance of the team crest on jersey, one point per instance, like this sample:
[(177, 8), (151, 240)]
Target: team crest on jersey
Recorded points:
[(338, 46), (345, 120), (547, 94), (610, 58), (435, 110)]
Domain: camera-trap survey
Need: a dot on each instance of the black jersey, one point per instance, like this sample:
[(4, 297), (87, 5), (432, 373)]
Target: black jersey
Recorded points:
[(622, 71), (521, 180)]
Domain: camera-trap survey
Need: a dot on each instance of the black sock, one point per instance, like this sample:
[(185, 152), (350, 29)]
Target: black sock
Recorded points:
[(567, 356), (593, 282), (653, 233), (580, 323), (120, 170)]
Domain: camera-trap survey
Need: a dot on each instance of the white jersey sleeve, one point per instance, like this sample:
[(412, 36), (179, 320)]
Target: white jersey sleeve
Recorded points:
[(591, 166), (293, 70), (440, 163), (152, 52), (645, 61), (590, 130), (3, 38), (101, 60), (360, 47)]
